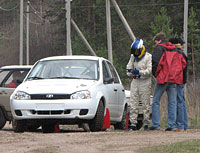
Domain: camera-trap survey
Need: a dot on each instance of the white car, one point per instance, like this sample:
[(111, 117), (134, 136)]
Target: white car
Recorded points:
[(69, 90), (10, 77)]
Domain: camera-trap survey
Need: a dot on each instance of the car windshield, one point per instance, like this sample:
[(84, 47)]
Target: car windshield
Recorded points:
[(65, 69)]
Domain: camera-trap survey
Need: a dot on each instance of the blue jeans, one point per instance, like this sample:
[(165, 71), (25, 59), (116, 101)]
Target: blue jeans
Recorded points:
[(171, 90), (182, 118)]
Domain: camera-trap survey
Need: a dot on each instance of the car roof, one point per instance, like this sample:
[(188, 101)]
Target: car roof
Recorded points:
[(10, 67), (73, 57)]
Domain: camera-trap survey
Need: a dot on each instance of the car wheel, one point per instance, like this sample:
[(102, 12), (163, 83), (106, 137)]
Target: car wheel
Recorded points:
[(139, 124), (2, 119), (18, 125), (122, 125), (97, 122), (33, 127), (48, 128)]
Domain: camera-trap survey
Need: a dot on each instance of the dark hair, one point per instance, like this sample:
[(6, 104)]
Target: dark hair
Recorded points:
[(177, 41), (159, 36)]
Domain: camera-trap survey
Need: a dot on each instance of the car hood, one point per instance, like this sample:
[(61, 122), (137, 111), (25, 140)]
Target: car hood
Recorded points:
[(55, 86)]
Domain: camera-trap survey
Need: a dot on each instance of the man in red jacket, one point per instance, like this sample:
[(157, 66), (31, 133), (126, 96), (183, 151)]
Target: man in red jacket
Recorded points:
[(167, 67)]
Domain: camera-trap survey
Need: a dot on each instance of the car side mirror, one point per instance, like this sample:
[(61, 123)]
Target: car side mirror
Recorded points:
[(108, 80)]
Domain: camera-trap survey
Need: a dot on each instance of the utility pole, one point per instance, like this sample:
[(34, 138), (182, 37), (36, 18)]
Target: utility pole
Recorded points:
[(109, 33), (185, 25), (21, 33), (185, 30), (128, 29), (27, 33), (68, 26), (83, 38)]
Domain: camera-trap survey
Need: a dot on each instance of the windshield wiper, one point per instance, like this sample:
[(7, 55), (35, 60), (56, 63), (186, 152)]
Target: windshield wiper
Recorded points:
[(35, 78), (64, 77)]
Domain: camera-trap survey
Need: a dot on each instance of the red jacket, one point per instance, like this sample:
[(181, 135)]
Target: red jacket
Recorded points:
[(171, 65)]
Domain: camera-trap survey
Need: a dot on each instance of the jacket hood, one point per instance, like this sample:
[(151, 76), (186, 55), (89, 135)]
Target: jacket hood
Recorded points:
[(168, 45)]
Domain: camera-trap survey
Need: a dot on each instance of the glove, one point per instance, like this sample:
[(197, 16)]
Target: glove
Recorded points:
[(136, 72), (129, 70)]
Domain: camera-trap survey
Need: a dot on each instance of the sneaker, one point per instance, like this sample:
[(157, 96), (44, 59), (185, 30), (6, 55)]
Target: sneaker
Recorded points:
[(170, 129), (146, 128), (154, 128), (179, 130)]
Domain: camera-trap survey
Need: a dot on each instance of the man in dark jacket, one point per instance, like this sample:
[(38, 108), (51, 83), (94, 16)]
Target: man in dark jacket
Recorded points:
[(167, 67)]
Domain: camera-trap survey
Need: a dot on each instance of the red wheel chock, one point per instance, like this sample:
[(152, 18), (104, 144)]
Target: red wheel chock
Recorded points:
[(127, 121), (106, 122), (56, 128)]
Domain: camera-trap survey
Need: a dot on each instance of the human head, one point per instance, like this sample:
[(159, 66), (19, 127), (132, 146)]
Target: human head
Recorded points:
[(16, 75), (137, 48), (159, 37), (178, 42)]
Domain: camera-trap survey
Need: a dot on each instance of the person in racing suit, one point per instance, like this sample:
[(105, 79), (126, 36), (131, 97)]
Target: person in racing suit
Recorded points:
[(139, 68)]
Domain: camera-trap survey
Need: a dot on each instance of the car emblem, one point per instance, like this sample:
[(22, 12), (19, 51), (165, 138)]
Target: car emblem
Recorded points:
[(49, 96)]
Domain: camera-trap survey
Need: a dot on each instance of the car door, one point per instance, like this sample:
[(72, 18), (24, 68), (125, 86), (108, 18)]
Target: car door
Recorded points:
[(6, 89), (110, 91), (119, 89), (5, 92)]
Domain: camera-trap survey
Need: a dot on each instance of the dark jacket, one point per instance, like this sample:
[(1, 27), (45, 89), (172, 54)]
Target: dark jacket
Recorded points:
[(168, 64), (179, 46)]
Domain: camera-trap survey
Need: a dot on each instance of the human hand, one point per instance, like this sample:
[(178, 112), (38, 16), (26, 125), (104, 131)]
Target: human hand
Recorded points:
[(136, 72), (129, 70)]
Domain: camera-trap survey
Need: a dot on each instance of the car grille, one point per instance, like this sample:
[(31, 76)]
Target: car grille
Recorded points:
[(50, 96), (50, 112)]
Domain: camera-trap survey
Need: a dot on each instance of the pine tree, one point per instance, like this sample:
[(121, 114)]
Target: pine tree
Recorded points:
[(193, 44)]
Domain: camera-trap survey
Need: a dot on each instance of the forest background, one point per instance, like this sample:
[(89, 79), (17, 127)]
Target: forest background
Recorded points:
[(146, 18)]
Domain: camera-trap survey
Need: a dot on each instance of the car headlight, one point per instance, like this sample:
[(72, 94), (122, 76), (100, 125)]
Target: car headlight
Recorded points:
[(81, 95), (20, 95)]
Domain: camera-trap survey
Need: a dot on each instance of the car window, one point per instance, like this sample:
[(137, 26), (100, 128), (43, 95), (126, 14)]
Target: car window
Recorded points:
[(106, 72), (3, 75), (114, 73), (15, 78), (70, 68)]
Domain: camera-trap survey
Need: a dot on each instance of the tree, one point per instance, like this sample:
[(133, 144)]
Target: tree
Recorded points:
[(193, 44), (162, 22)]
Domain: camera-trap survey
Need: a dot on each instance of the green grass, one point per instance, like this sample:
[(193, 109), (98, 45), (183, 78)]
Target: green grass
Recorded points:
[(190, 146)]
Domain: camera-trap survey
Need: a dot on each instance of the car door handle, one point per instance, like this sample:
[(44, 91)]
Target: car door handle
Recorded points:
[(115, 89)]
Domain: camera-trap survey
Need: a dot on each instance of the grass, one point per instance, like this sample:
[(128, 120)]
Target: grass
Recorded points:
[(190, 146)]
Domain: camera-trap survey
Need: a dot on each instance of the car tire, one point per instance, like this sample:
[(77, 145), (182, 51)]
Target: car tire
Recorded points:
[(18, 125), (122, 125), (97, 122), (33, 127), (2, 119), (48, 128)]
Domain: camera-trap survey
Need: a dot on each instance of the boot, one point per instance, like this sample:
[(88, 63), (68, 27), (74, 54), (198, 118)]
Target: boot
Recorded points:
[(132, 127), (146, 128)]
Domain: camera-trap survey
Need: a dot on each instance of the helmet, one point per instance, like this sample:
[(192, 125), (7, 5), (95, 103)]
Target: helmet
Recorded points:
[(137, 48)]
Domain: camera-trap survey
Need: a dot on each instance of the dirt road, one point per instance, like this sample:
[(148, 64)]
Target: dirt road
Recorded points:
[(78, 141)]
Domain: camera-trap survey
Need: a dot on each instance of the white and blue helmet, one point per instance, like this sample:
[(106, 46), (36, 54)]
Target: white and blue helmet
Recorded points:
[(137, 48), (137, 44)]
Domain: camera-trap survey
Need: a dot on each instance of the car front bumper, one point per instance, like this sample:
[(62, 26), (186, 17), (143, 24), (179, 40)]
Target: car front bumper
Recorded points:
[(54, 109)]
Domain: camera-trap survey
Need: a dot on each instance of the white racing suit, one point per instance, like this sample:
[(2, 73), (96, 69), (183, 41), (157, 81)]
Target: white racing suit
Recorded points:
[(140, 89)]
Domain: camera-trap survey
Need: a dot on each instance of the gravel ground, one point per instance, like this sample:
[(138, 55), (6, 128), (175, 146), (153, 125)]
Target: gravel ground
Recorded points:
[(71, 139)]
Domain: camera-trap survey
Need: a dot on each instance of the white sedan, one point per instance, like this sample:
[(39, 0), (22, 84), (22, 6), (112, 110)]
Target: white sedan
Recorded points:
[(69, 90)]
